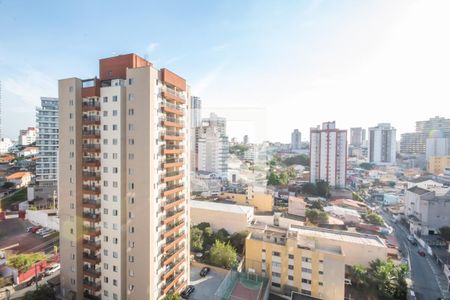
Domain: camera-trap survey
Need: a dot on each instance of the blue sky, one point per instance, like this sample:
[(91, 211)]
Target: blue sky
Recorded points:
[(268, 66)]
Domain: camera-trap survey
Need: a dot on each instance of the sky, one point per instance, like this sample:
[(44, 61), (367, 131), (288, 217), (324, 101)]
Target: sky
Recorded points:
[(267, 66)]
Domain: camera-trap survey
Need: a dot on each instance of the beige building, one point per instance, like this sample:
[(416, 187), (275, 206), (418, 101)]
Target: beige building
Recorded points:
[(233, 218), (20, 179), (294, 262), (438, 164), (260, 199), (296, 206), (123, 182)]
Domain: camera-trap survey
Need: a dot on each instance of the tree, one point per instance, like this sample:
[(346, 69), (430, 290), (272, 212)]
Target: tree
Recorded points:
[(223, 255), (8, 185), (196, 239), (23, 262), (284, 178), (388, 278), (358, 275), (317, 205), (374, 218), (172, 296), (237, 240), (316, 216), (43, 291), (222, 235), (203, 225), (301, 159), (309, 189), (323, 188), (273, 179), (444, 232)]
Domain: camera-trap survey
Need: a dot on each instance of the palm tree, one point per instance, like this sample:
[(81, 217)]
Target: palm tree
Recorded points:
[(358, 275)]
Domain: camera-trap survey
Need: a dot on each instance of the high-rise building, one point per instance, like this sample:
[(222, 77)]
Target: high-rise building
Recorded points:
[(123, 182), (213, 146), (416, 142), (245, 140), (437, 145), (27, 136), (382, 144), (296, 140), (196, 123), (438, 164), (356, 136), (413, 143), (47, 142), (328, 154), (436, 123)]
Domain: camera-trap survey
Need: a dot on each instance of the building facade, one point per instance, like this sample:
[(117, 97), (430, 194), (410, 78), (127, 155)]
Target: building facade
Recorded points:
[(47, 142), (438, 164), (213, 146), (437, 145), (436, 123), (295, 263), (27, 136), (5, 145), (413, 143), (356, 136), (382, 144), (296, 140), (328, 154), (123, 182), (196, 123)]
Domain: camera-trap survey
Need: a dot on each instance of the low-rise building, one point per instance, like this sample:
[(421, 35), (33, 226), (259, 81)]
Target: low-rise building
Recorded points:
[(296, 206), (349, 203), (438, 164), (233, 218), (294, 262), (261, 199), (20, 179), (427, 209), (347, 215), (28, 151)]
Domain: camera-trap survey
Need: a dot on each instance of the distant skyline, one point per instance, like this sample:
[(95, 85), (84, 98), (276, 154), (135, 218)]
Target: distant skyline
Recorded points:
[(267, 66)]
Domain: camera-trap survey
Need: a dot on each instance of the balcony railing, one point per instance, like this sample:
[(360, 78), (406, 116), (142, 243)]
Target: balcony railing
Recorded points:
[(91, 230), (92, 272), (91, 162), (172, 108), (91, 245), (172, 241), (172, 254), (91, 120), (90, 147), (170, 281), (91, 175), (91, 217), (89, 134), (172, 202), (91, 203), (90, 106), (88, 189), (95, 259), (92, 285)]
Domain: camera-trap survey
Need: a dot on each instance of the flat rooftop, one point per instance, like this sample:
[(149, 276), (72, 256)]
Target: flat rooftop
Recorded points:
[(339, 235), (220, 206)]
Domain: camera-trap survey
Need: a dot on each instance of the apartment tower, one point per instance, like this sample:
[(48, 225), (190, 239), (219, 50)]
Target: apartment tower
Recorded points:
[(382, 144), (123, 182), (296, 140), (328, 153)]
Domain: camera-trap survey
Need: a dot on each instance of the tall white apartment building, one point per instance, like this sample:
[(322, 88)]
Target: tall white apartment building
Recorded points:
[(382, 144), (27, 136), (123, 182), (296, 140), (196, 123), (213, 146), (47, 142), (328, 153)]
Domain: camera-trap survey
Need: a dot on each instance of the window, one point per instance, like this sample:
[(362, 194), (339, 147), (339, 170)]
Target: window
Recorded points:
[(115, 170), (130, 81), (114, 142), (105, 266), (105, 183), (105, 293), (114, 99), (274, 284), (72, 281), (291, 256), (105, 113), (290, 267), (115, 255), (105, 211), (115, 282), (131, 200), (131, 229), (114, 112), (130, 127), (105, 279), (114, 127), (115, 226), (306, 259), (105, 169), (306, 270), (275, 253), (105, 99), (114, 198), (105, 127), (115, 241), (115, 212), (290, 277), (105, 252), (115, 295), (131, 287), (131, 258), (130, 97), (306, 281), (130, 112), (131, 141), (130, 156), (306, 292), (130, 244), (115, 184), (276, 274), (105, 141), (105, 197), (115, 155), (320, 272), (114, 268), (105, 155), (320, 283)]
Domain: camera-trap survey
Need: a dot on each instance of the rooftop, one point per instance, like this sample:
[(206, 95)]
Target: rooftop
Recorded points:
[(417, 190), (224, 207), (18, 175), (338, 235)]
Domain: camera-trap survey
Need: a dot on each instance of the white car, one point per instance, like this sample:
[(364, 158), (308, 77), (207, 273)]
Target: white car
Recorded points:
[(40, 230), (49, 271)]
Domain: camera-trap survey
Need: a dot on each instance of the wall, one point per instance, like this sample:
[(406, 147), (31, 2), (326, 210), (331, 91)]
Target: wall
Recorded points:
[(232, 222), (41, 217)]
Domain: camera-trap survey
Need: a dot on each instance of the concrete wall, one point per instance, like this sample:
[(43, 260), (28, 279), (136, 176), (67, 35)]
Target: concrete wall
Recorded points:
[(41, 217), (232, 222)]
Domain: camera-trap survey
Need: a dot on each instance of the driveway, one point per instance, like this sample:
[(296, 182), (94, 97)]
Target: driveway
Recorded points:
[(205, 287)]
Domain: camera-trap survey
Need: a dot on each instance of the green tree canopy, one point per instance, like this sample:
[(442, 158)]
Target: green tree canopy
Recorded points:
[(323, 189), (223, 255), (196, 239), (366, 166), (43, 291), (301, 159), (222, 235), (237, 240), (374, 218), (316, 216), (23, 262), (444, 232), (173, 296)]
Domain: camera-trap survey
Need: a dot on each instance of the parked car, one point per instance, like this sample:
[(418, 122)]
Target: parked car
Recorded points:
[(45, 231), (187, 292), (421, 253), (40, 230), (50, 270), (204, 271), (29, 228), (35, 229)]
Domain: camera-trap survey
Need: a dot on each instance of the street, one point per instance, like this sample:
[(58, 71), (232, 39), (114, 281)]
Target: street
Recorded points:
[(19, 293), (426, 277)]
